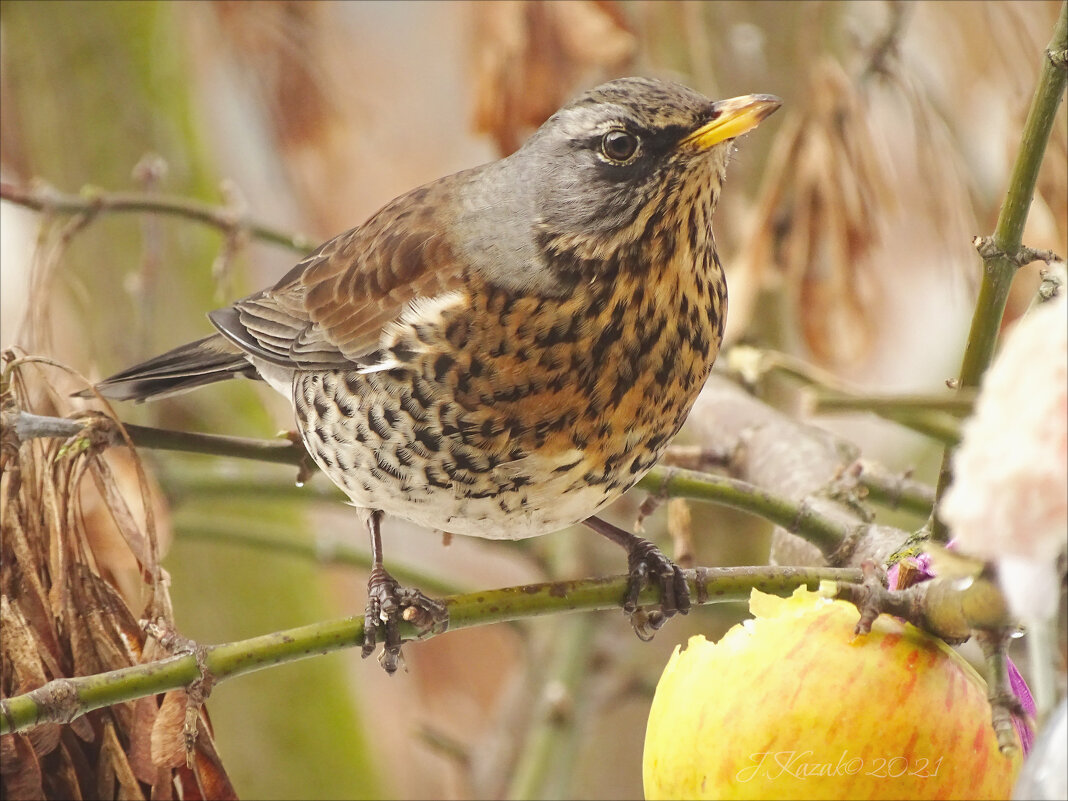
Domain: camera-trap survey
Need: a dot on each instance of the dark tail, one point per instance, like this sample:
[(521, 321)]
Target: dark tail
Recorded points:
[(202, 362)]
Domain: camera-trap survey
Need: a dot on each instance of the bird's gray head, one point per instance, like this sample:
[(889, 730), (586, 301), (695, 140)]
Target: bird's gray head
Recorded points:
[(590, 179), (603, 157)]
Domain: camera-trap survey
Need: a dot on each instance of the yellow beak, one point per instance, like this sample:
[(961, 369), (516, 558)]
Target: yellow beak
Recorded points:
[(734, 117)]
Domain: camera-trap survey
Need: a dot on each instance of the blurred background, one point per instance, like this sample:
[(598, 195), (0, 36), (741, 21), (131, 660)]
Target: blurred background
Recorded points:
[(846, 229)]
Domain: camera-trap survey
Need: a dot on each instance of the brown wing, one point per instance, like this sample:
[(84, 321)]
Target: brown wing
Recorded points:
[(329, 311)]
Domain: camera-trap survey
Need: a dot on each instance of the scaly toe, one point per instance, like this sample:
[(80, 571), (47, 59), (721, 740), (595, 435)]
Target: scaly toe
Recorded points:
[(387, 604), (648, 564)]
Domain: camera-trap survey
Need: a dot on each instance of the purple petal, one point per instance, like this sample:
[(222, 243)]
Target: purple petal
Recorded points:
[(1023, 693)]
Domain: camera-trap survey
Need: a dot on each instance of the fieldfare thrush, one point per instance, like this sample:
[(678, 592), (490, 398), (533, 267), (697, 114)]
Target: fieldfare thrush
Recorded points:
[(505, 351)]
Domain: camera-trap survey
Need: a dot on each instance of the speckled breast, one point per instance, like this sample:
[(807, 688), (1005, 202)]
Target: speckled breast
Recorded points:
[(507, 417)]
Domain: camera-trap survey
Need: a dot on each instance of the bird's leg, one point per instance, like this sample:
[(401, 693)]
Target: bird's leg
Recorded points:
[(647, 564), (388, 603)]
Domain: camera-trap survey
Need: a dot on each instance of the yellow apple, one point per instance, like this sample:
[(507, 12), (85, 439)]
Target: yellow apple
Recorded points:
[(792, 704)]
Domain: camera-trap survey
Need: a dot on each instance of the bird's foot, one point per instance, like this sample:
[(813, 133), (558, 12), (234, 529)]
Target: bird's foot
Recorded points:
[(647, 565), (388, 603)]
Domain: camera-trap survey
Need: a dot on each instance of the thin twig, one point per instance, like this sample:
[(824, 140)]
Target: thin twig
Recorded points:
[(891, 407), (828, 535), (931, 415), (280, 451), (895, 491), (322, 551), (95, 201), (943, 426)]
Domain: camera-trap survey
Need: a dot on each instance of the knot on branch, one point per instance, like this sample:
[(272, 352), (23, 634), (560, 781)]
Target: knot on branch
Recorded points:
[(847, 548), (197, 691), (845, 488), (1052, 283), (57, 701), (98, 432), (988, 250)]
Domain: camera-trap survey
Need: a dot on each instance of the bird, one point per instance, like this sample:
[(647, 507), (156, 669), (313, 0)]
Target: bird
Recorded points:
[(505, 351)]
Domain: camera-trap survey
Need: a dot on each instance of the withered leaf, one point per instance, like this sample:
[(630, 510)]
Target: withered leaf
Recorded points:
[(20, 768), (64, 616), (529, 56), (820, 217), (145, 711), (211, 777), (115, 777), (69, 769), (168, 741)]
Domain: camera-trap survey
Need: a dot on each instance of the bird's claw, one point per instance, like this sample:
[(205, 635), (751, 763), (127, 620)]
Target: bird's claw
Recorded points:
[(647, 565), (387, 604)]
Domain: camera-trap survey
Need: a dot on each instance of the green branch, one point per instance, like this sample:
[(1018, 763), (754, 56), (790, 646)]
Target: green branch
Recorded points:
[(63, 700), (891, 406), (797, 518), (1002, 253)]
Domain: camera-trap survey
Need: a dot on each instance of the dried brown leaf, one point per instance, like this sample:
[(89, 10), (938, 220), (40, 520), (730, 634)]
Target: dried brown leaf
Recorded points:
[(139, 735), (115, 776), (206, 777), (529, 57), (168, 741), (20, 768), (69, 771), (113, 532), (24, 588), (115, 632), (62, 611), (211, 778), (129, 528), (820, 217), (20, 655), (8, 750), (166, 785), (23, 669)]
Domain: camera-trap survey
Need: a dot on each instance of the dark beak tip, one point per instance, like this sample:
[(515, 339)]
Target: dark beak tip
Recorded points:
[(761, 104), (765, 104)]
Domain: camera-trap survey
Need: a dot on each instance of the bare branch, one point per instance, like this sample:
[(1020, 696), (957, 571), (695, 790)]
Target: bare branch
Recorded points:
[(93, 202)]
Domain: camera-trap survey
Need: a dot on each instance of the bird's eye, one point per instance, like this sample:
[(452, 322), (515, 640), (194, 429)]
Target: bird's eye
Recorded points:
[(619, 146)]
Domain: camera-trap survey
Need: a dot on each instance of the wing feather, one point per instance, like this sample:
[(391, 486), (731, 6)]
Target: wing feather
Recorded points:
[(331, 309)]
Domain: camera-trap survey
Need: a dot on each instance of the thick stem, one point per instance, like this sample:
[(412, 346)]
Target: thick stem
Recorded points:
[(1001, 257), (63, 700)]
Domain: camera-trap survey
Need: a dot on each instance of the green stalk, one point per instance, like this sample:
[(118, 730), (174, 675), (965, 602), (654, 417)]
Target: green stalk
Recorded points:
[(63, 700), (1001, 255)]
